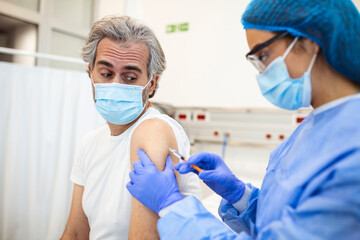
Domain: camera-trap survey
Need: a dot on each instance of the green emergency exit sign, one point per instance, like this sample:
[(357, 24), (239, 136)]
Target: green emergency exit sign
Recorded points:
[(182, 27)]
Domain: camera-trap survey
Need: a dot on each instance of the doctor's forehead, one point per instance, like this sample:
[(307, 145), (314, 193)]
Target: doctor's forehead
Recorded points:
[(117, 52), (255, 37)]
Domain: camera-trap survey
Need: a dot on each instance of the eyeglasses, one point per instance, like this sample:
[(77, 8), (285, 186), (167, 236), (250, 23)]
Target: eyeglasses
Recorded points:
[(253, 58)]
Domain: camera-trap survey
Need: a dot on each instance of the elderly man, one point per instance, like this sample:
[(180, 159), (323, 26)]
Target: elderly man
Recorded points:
[(125, 63)]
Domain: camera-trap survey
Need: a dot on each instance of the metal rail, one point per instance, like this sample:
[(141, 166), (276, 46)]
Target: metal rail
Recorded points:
[(12, 51)]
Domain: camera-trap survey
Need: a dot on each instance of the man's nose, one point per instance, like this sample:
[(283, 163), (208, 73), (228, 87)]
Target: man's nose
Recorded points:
[(117, 79)]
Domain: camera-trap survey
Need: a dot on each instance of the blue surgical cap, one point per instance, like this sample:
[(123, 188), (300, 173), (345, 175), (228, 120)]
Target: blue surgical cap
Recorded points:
[(332, 24)]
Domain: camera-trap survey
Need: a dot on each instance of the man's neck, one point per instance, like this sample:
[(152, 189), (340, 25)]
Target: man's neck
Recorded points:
[(116, 130)]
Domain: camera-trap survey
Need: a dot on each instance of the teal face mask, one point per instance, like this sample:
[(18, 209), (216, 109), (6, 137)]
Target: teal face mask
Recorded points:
[(119, 103), (280, 89)]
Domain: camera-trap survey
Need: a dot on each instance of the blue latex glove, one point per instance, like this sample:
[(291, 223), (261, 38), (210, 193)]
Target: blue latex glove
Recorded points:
[(215, 174), (155, 189)]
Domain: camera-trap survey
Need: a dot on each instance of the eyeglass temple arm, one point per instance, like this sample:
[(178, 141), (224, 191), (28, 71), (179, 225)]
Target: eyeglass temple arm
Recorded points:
[(265, 44)]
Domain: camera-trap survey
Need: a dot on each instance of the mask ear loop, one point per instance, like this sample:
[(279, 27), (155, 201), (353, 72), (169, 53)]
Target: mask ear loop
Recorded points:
[(146, 87), (307, 83), (290, 47), (312, 63), (149, 81), (285, 53), (92, 81)]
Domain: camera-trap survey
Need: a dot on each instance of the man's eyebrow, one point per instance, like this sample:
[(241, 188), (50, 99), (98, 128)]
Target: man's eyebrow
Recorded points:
[(132, 67), (128, 67), (102, 62)]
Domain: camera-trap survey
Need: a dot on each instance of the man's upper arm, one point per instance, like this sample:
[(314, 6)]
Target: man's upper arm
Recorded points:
[(155, 137), (77, 226)]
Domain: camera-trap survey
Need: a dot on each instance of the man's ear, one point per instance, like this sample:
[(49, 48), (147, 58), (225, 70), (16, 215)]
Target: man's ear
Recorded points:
[(153, 83), (89, 70)]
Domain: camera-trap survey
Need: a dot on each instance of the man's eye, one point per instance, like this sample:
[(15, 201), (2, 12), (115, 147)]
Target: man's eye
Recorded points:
[(130, 78), (106, 75)]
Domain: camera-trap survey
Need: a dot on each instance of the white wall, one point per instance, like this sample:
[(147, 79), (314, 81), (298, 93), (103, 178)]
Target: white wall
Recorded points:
[(206, 65), (108, 7)]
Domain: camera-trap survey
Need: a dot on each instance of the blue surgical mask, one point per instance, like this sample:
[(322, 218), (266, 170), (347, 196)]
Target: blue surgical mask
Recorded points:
[(280, 89), (119, 103)]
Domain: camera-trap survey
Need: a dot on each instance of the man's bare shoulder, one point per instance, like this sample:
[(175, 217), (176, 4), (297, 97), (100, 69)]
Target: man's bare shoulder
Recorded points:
[(154, 136), (151, 132)]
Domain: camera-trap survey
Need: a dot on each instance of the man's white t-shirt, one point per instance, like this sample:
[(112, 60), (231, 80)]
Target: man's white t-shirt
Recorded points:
[(102, 166)]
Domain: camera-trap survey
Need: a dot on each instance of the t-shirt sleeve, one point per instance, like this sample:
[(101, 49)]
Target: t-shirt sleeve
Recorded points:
[(77, 173)]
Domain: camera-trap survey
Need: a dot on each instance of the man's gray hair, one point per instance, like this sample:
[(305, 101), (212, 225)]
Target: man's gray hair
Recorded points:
[(128, 30)]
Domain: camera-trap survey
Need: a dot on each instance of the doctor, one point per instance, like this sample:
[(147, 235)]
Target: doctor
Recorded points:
[(307, 53)]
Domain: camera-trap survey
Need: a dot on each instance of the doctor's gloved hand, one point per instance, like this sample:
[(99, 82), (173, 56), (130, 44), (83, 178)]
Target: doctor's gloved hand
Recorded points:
[(153, 188), (215, 175)]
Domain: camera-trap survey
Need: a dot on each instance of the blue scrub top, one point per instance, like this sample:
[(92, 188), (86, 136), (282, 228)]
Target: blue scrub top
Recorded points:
[(311, 189)]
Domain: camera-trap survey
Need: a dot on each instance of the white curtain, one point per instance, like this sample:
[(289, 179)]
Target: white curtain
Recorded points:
[(44, 114)]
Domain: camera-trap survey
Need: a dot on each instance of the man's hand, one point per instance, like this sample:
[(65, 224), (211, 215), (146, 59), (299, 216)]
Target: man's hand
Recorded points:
[(155, 189), (215, 174)]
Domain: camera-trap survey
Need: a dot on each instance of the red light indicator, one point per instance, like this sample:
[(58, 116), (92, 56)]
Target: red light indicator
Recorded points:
[(299, 119), (268, 136), (182, 116), (201, 117)]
